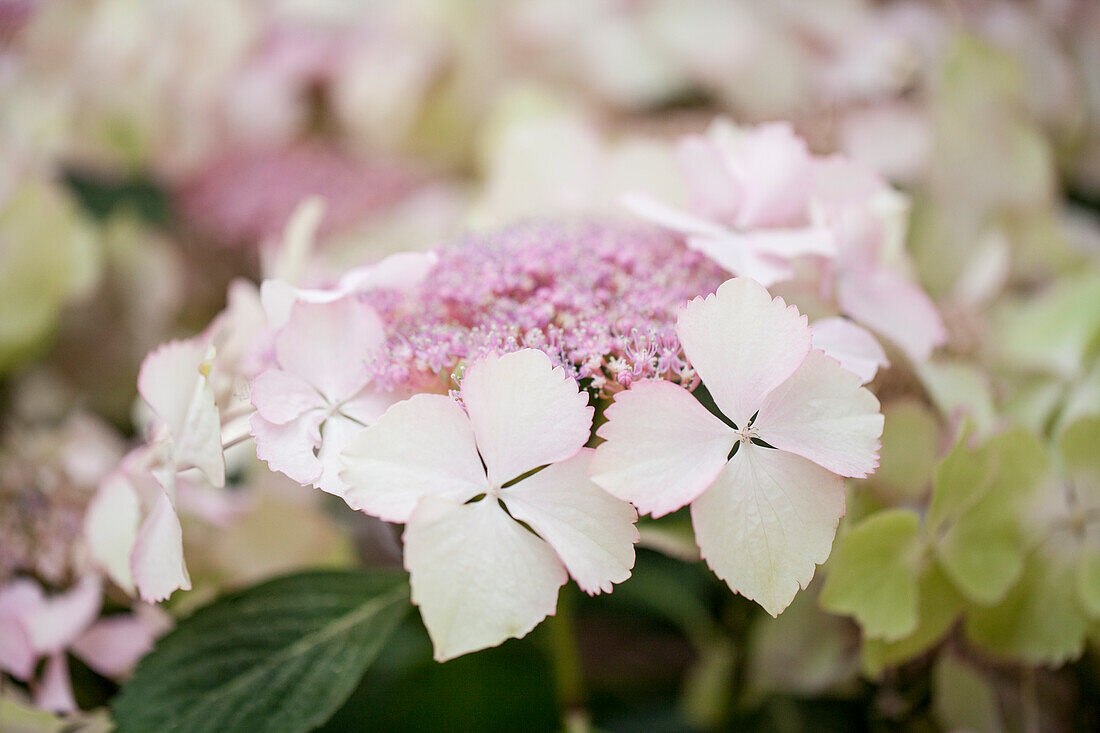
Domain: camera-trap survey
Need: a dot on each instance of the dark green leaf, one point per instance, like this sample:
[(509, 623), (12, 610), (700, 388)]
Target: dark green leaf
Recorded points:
[(281, 656)]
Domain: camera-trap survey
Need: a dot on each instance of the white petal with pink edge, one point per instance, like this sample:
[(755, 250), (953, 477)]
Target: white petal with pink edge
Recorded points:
[(525, 412), (336, 433), (669, 217), (111, 526), (290, 448), (157, 560), (733, 252), (823, 414), (326, 345), (661, 447), (419, 447), (767, 522), (280, 397), (853, 346), (478, 576), (591, 531), (743, 344), (174, 382), (894, 307)]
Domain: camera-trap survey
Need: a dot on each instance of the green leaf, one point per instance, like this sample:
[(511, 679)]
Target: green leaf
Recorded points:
[(962, 478), (1051, 332), (1040, 621), (1078, 448), (280, 656), (975, 512), (939, 605), (505, 688), (964, 699), (958, 388), (873, 574)]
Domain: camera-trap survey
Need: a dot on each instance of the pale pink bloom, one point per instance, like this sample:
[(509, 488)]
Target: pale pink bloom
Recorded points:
[(854, 347), (751, 206), (131, 523), (33, 626), (766, 481), (894, 306), (402, 271), (133, 531), (246, 197), (318, 394), (174, 382), (462, 480), (866, 278)]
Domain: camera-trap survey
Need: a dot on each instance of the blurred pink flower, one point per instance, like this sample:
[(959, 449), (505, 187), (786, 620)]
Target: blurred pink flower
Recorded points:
[(751, 205), (33, 626), (245, 198)]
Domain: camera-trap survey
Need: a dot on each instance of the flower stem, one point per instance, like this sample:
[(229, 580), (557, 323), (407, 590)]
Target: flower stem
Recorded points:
[(568, 675)]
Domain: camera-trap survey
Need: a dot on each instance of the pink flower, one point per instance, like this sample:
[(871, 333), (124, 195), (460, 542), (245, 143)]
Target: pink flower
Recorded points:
[(245, 198), (33, 626), (866, 278), (319, 393), (765, 481), (133, 531), (751, 202), (854, 347), (131, 524), (462, 481), (174, 382)]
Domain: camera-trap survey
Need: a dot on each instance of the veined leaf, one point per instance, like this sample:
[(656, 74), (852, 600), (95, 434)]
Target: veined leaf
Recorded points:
[(1040, 621), (280, 656), (938, 606), (873, 574), (976, 508)]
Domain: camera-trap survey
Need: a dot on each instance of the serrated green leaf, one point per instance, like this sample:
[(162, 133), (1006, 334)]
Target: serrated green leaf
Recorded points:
[(961, 479), (978, 535), (964, 698), (280, 656), (1040, 621), (910, 440), (873, 574), (939, 604)]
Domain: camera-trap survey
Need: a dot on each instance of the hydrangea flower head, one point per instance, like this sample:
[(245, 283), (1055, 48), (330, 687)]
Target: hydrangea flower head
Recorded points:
[(465, 476), (765, 479), (599, 300)]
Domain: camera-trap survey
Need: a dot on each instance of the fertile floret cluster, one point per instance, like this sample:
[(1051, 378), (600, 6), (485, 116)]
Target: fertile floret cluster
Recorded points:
[(600, 300)]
